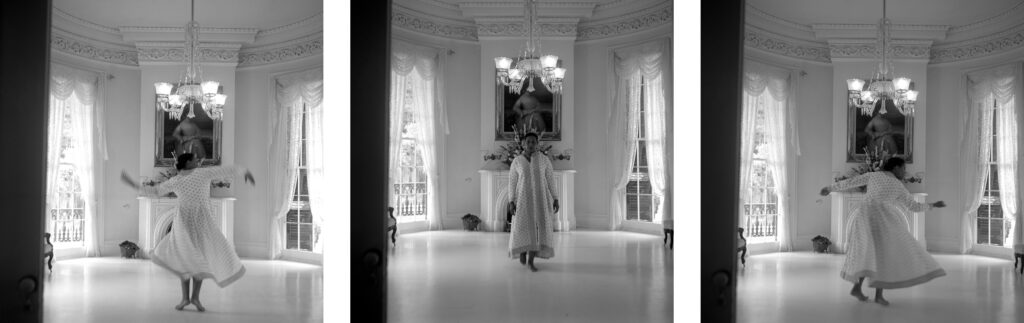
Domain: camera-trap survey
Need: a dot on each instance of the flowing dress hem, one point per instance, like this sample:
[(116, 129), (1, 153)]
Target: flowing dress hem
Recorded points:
[(201, 275), (870, 274), (544, 252)]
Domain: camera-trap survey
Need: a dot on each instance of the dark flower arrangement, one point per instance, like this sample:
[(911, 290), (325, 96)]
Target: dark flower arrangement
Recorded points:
[(508, 152), (873, 161)]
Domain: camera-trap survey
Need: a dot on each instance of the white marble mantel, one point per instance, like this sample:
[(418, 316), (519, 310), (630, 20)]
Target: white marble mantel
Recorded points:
[(156, 213), (494, 199), (844, 202)]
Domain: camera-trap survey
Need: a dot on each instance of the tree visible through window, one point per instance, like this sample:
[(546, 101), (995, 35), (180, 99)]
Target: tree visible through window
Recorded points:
[(67, 218), (761, 210), (302, 233), (992, 227), (640, 199)]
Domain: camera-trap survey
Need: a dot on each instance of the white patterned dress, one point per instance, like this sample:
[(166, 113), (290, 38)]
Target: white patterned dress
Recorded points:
[(195, 247), (879, 244), (531, 185)]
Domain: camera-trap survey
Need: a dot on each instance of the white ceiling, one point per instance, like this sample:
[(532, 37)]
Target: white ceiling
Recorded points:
[(926, 12), (260, 14)]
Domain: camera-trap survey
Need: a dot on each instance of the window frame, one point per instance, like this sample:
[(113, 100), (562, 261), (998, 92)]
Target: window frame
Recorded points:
[(765, 225), (299, 202), (640, 173), (990, 199)]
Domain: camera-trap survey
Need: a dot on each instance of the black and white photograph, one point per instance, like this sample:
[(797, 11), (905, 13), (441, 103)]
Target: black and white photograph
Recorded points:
[(175, 161), (877, 162)]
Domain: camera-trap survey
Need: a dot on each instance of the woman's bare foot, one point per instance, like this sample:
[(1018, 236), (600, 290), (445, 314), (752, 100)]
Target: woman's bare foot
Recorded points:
[(532, 268), (881, 300), (182, 305), (199, 306)]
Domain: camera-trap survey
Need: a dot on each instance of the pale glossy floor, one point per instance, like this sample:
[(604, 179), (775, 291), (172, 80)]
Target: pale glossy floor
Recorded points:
[(805, 287), (128, 290), (458, 276)]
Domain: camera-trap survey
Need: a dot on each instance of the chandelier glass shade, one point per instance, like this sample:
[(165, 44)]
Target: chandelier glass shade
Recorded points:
[(882, 86), (191, 89), (530, 64)]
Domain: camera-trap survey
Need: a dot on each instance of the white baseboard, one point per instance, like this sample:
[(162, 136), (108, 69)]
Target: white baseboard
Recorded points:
[(593, 222), (255, 250), (992, 251), (944, 246), (303, 257), (68, 253), (643, 227), (413, 227)]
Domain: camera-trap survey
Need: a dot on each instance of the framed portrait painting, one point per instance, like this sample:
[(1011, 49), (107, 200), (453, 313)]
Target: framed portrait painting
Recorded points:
[(886, 128), (539, 110), (199, 135)]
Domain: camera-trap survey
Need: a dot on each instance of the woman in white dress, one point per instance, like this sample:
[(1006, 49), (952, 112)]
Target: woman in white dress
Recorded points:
[(531, 187), (879, 244), (194, 248)]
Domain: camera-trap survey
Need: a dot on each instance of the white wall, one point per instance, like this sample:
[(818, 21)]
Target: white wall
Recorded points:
[(945, 124), (462, 157), (254, 106), (118, 208), (590, 124), (809, 212)]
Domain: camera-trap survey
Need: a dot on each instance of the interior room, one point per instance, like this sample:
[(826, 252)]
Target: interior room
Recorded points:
[(834, 89), (135, 86), (591, 80)]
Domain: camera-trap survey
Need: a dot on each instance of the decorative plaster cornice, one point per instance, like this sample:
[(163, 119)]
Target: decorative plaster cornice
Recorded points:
[(515, 29), (1006, 41), (81, 48), (277, 54), (438, 27), (632, 24), (170, 54), (765, 41), (869, 49)]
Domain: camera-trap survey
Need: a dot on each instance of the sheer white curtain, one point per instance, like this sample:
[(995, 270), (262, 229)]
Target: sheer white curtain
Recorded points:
[(767, 88), (646, 64), (293, 91), (417, 79), (998, 86), (76, 92)]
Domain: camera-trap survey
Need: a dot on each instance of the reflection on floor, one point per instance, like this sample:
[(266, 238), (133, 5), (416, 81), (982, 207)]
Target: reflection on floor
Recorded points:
[(595, 276), (805, 287), (135, 290)]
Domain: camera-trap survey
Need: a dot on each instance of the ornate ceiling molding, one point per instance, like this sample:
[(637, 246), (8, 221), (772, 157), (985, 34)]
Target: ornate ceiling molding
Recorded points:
[(277, 54), (435, 26), (869, 49), (1004, 42), (152, 52), (83, 48), (316, 20), (776, 44), (631, 24), (516, 29)]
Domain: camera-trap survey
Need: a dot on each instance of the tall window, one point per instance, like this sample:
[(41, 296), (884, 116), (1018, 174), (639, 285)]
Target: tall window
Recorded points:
[(992, 228), (303, 234), (67, 218), (411, 187), (761, 210), (640, 199)]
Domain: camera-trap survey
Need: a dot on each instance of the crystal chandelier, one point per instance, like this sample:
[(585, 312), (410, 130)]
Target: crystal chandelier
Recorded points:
[(191, 90), (864, 94), (529, 66)]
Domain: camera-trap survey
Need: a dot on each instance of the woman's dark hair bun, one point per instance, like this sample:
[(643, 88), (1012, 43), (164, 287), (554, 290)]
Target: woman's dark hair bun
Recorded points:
[(183, 160)]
